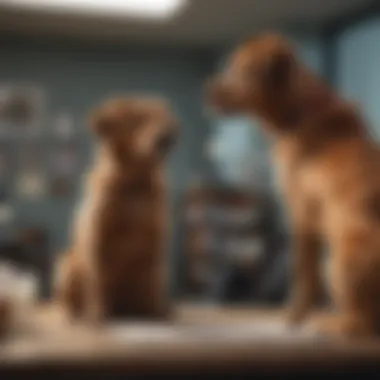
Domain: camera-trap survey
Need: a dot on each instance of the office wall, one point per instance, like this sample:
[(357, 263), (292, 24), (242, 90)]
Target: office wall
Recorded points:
[(358, 68), (77, 77)]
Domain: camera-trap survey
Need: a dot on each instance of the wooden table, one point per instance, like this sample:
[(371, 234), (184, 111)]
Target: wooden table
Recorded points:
[(201, 341)]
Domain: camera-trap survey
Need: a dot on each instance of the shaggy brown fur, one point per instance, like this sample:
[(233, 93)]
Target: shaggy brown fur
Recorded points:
[(328, 169), (117, 265), (5, 317)]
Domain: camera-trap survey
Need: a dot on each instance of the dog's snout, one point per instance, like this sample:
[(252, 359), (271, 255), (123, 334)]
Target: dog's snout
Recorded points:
[(222, 97), (217, 94)]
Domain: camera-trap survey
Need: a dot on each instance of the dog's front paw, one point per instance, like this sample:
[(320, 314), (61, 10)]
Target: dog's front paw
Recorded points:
[(94, 315), (343, 326), (295, 316), (164, 312)]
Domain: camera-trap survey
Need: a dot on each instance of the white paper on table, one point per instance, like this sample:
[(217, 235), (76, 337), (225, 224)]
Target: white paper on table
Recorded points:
[(263, 330)]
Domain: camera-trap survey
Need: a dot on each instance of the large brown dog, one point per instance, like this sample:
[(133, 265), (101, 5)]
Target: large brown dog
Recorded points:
[(117, 265), (329, 171)]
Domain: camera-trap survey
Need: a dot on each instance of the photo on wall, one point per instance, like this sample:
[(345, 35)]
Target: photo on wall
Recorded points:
[(30, 156), (7, 215), (4, 194), (61, 187), (22, 110), (63, 126), (31, 185), (31, 173), (64, 161), (6, 163)]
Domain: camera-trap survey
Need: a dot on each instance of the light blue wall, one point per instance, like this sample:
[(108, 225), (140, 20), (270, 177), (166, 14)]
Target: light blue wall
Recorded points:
[(78, 77), (358, 69)]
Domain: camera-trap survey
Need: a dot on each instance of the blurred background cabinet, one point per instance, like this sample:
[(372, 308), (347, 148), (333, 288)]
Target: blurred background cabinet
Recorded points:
[(231, 241)]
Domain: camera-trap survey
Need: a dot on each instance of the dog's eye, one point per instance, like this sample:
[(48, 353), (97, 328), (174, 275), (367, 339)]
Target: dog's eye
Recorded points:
[(138, 119), (249, 71), (102, 125)]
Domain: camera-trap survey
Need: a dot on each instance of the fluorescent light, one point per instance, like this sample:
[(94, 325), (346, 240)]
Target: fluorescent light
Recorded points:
[(133, 8)]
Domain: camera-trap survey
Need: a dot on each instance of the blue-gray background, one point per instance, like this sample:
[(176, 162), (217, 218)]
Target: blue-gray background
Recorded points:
[(76, 77)]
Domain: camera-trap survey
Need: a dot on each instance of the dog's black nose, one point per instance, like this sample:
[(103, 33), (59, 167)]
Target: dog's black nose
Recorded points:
[(165, 142)]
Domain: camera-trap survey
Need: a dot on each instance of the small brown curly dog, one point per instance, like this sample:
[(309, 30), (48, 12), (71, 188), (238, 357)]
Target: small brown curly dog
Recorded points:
[(329, 173), (117, 265)]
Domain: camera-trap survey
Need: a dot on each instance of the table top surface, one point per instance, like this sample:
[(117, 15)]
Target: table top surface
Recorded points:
[(199, 335)]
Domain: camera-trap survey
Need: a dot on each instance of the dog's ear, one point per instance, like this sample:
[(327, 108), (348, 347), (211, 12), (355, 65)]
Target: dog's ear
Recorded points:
[(101, 124), (280, 67), (115, 116)]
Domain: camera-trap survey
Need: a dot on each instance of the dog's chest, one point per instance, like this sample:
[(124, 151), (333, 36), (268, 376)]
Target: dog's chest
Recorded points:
[(131, 230), (285, 162), (135, 212), (293, 170)]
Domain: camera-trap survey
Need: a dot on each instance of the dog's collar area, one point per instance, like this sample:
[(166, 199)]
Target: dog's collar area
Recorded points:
[(307, 111), (135, 187)]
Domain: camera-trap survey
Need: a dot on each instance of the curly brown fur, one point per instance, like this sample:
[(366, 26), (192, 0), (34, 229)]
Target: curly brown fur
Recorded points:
[(5, 317), (328, 170), (117, 265)]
